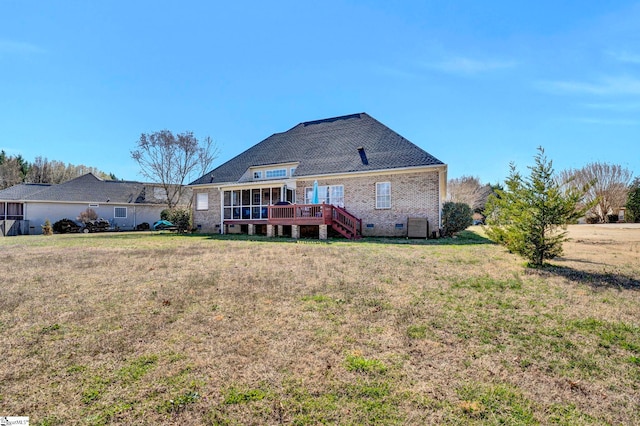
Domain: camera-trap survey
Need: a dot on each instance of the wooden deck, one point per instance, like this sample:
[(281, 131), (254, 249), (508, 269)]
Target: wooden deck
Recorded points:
[(300, 214), (309, 214)]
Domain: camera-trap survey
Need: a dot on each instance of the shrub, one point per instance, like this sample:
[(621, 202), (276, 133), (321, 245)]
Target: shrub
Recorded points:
[(612, 218), (64, 226), (592, 220), (165, 214), (47, 229), (181, 218), (88, 215), (144, 226), (456, 217)]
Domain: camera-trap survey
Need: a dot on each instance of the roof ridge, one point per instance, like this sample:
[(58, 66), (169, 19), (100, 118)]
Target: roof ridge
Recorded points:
[(332, 119)]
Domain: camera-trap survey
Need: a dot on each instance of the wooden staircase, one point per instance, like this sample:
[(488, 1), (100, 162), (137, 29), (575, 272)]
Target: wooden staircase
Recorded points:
[(345, 223)]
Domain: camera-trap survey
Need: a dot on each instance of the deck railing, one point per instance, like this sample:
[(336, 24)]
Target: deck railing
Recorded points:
[(346, 223), (300, 214), (316, 214)]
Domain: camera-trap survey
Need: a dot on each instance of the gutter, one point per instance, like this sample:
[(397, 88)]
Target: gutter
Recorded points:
[(253, 183)]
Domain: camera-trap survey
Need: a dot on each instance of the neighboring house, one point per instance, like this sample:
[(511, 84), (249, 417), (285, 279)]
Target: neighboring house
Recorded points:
[(370, 181), (125, 204)]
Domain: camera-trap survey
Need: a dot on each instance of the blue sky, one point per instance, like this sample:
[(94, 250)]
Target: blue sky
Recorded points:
[(475, 83)]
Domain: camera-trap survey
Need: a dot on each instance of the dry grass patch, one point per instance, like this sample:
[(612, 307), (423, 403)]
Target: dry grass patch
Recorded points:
[(159, 329)]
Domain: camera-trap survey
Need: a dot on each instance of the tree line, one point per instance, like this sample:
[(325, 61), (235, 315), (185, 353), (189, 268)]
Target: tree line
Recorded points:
[(15, 170), (608, 188)]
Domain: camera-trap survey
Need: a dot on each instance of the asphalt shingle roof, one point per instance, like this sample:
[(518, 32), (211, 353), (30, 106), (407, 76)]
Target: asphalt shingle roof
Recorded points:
[(90, 188), (325, 147), (86, 188), (22, 190)]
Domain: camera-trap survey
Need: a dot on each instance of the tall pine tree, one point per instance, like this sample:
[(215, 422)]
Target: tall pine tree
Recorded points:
[(530, 216), (632, 213)]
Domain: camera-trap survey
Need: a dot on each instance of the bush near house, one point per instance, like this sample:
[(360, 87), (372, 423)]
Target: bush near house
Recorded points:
[(179, 217), (592, 220), (46, 228), (456, 217), (64, 226), (612, 218)]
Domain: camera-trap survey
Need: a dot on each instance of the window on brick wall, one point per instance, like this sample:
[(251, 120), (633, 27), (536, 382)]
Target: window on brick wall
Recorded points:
[(331, 194), (383, 195), (202, 201)]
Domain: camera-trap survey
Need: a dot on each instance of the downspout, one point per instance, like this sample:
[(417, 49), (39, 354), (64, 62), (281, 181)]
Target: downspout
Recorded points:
[(440, 202), (443, 192), (221, 193)]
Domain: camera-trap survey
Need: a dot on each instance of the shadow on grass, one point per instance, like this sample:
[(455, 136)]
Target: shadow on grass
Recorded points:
[(463, 238), (593, 279)]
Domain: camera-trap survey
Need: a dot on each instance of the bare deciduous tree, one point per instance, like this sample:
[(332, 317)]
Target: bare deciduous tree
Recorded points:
[(468, 190), (43, 170), (608, 186), (173, 160), (87, 215)]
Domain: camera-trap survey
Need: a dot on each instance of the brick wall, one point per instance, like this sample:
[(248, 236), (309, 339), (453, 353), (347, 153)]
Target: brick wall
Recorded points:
[(207, 219), (415, 194)]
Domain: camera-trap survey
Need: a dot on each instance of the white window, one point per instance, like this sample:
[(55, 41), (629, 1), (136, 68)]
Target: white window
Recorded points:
[(292, 171), (333, 194), (202, 201), (120, 212), (336, 195), (276, 173), (257, 175), (383, 195)]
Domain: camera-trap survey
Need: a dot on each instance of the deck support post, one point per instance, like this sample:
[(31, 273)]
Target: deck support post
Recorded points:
[(295, 231), (322, 234), (280, 230), (251, 229), (270, 231)]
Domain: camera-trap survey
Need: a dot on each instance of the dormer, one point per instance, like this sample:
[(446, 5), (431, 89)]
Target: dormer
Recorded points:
[(270, 172)]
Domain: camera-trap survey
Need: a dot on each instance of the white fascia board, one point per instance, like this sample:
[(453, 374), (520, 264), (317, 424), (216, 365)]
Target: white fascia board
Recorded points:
[(291, 183), (270, 183), (433, 168)]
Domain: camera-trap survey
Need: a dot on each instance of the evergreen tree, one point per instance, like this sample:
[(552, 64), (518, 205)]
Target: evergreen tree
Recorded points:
[(632, 214), (530, 216)]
